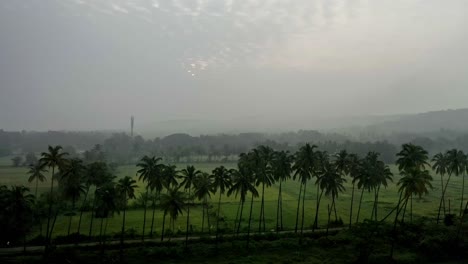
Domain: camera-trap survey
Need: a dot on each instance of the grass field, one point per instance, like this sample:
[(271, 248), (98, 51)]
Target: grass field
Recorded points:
[(426, 206)]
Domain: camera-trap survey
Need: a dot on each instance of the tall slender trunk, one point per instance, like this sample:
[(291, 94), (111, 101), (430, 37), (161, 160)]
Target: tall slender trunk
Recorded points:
[(281, 211), (442, 199), (69, 225), (240, 216), (404, 210), (303, 207), (298, 206), (53, 224), (250, 219), (237, 217), (217, 218), (81, 210), (411, 209), (123, 225), (207, 215), (376, 202), (188, 222), (351, 206), (37, 182), (203, 216), (278, 209), (395, 224), (92, 216), (101, 240), (163, 223), (334, 209), (329, 213), (463, 192), (317, 210), (144, 215), (50, 207), (359, 207), (262, 209), (152, 216)]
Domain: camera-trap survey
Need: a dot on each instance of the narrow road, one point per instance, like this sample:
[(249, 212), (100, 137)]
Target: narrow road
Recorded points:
[(40, 249)]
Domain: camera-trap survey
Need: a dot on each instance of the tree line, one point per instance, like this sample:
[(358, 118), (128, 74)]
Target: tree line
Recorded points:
[(174, 192)]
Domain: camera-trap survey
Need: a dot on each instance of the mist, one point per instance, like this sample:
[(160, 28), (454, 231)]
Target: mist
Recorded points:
[(90, 65)]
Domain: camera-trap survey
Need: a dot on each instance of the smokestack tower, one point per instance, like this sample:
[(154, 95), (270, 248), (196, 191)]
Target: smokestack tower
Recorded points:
[(132, 122)]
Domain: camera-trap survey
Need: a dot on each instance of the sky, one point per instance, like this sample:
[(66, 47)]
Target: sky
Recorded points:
[(91, 64)]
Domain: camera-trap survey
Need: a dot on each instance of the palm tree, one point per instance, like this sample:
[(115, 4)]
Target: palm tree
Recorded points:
[(222, 182), (55, 158), (322, 163), (261, 162), (170, 174), (72, 186), (457, 164), (203, 189), (305, 162), (189, 176), (36, 172), (282, 169), (440, 166), (412, 157), (331, 182), (155, 182), (172, 203), (364, 180), (126, 188), (147, 169), (415, 181), (107, 205), (242, 184), (354, 169), (379, 175), (18, 206)]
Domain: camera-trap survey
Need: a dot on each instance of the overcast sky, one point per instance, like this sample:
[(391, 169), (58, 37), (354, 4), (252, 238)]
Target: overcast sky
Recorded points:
[(90, 64)]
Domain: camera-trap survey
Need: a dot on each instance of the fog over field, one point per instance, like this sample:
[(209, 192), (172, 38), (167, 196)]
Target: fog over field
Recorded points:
[(252, 64)]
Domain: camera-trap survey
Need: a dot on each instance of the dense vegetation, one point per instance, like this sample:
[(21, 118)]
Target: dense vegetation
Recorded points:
[(173, 192)]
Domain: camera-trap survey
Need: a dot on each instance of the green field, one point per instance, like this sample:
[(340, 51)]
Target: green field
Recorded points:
[(426, 206)]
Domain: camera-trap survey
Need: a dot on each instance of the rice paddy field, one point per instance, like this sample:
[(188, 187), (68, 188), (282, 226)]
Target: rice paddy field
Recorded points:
[(425, 206)]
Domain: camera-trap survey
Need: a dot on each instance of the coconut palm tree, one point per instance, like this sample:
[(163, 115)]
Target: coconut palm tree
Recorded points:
[(457, 165), (36, 173), (331, 183), (72, 185), (126, 188), (54, 158), (323, 161), (261, 159), (17, 206), (147, 170), (414, 181), (155, 182), (242, 183), (221, 183), (107, 204), (203, 190), (189, 176), (354, 170), (412, 157), (282, 169), (364, 179), (172, 203), (440, 165), (305, 164), (380, 174)]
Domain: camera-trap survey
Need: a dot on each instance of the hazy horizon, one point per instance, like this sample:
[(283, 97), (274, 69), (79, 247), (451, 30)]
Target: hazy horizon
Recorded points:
[(90, 65)]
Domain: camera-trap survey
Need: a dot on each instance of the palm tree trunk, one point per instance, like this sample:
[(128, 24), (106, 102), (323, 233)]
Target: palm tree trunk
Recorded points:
[(207, 215), (463, 192), (317, 211), (123, 225), (92, 216), (351, 206), (100, 231), (237, 217), (359, 207), (203, 217), (163, 223), (303, 207), (278, 209), (298, 205), (442, 199), (262, 208), (144, 216), (394, 226), (188, 222), (281, 211), (152, 216), (334, 209), (37, 182), (81, 210), (240, 216), (329, 209), (50, 207), (53, 224), (69, 225), (217, 218), (404, 210), (411, 209), (250, 219)]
